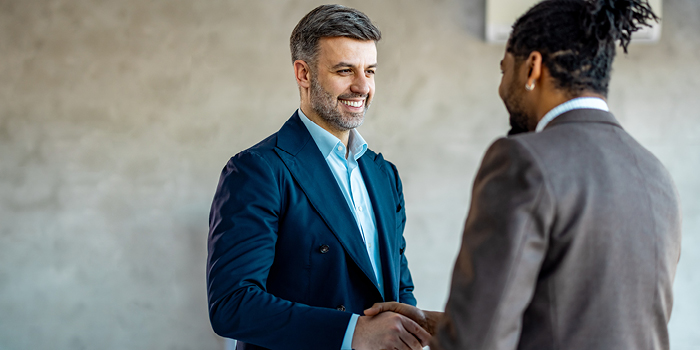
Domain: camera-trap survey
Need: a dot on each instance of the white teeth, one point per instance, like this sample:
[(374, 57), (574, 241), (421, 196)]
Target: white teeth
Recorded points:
[(352, 103)]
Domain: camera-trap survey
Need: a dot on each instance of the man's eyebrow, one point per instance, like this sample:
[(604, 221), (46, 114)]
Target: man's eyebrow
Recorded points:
[(345, 64), (341, 65)]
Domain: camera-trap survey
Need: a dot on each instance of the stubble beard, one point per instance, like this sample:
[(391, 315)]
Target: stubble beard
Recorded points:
[(326, 106), (519, 121)]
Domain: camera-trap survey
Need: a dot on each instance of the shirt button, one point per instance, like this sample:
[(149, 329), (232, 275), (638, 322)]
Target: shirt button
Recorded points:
[(324, 249), (359, 208), (340, 148)]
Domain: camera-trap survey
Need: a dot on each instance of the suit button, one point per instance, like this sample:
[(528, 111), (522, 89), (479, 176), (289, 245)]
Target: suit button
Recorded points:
[(340, 308), (324, 249)]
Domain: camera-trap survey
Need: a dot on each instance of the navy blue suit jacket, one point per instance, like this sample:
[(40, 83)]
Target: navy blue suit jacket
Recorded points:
[(287, 265)]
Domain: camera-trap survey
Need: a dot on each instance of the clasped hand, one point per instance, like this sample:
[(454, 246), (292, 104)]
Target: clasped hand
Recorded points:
[(394, 325)]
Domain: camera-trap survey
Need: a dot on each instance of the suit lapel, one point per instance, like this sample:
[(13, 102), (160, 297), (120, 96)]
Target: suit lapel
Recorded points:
[(384, 205), (299, 152)]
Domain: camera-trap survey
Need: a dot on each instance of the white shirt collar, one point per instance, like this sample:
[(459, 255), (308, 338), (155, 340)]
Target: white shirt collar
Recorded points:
[(577, 103)]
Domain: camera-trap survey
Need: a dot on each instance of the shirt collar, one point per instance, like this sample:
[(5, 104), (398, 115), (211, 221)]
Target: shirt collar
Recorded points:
[(577, 103), (327, 142)]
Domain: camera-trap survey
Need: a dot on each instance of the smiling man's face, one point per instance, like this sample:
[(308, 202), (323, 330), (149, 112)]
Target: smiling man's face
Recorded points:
[(342, 82)]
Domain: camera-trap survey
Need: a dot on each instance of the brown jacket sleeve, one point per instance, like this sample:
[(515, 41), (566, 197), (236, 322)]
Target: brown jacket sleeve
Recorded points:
[(504, 243)]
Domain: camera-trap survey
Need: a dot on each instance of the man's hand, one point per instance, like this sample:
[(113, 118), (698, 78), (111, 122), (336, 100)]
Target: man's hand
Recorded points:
[(426, 319), (388, 330)]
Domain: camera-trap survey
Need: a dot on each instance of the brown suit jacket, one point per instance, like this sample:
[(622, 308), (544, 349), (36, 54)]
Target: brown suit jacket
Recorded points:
[(571, 242)]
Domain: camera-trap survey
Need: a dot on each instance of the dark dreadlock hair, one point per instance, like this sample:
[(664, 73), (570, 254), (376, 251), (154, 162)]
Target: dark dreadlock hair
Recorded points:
[(577, 38)]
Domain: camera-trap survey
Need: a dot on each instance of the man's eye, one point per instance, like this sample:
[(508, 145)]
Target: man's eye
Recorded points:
[(344, 71), (371, 72)]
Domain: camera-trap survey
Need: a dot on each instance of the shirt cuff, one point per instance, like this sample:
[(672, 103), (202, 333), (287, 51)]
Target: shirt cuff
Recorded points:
[(347, 340)]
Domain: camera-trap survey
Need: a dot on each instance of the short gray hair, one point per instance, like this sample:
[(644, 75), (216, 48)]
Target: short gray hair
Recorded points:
[(329, 21)]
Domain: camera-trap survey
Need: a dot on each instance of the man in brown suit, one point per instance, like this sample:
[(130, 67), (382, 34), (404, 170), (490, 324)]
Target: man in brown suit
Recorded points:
[(573, 235)]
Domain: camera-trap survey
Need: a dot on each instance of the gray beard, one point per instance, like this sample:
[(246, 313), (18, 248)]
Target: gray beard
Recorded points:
[(323, 103)]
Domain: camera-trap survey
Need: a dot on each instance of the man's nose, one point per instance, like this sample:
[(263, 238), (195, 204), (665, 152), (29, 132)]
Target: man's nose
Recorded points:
[(361, 84)]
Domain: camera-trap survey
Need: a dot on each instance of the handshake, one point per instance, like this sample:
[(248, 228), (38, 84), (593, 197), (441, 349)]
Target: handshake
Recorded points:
[(395, 325)]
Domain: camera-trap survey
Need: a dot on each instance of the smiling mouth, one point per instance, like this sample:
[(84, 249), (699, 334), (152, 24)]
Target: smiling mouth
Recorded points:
[(353, 103)]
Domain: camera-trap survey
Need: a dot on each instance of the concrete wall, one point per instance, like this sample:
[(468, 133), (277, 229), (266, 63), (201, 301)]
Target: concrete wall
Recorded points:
[(117, 116)]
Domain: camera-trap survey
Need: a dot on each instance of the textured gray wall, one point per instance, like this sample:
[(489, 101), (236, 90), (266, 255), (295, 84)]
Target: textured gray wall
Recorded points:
[(117, 116)]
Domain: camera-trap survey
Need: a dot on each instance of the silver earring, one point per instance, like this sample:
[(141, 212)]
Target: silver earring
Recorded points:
[(530, 87)]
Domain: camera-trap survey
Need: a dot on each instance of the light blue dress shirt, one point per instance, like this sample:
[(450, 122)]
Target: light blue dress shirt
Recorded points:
[(349, 178), (577, 103)]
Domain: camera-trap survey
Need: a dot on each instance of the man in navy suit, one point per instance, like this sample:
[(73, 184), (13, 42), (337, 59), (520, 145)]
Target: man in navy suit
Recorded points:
[(306, 227)]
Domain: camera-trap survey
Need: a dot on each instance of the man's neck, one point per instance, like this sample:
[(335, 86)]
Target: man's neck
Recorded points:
[(343, 135)]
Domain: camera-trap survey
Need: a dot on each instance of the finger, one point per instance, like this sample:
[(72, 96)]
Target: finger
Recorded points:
[(401, 345), (374, 310), (410, 341), (378, 308), (417, 331)]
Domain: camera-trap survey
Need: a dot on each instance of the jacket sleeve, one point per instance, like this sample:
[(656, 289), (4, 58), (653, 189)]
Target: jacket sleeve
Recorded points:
[(242, 235), (503, 247), (405, 281)]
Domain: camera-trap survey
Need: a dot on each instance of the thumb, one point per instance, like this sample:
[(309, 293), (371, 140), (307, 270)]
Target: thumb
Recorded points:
[(378, 308)]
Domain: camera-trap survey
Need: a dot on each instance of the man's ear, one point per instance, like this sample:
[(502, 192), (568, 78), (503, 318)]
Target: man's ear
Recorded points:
[(303, 73), (534, 68)]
